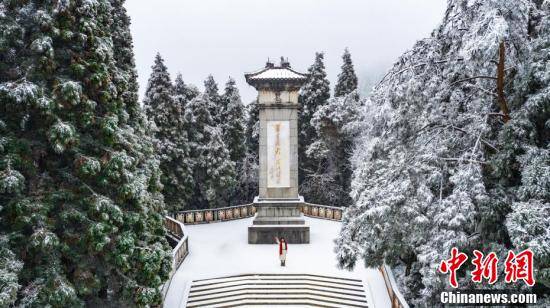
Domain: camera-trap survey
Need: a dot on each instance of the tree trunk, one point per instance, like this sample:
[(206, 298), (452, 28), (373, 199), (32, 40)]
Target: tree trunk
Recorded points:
[(500, 83)]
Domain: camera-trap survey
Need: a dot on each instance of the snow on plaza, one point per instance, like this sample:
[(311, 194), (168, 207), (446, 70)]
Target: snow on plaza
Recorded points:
[(221, 249)]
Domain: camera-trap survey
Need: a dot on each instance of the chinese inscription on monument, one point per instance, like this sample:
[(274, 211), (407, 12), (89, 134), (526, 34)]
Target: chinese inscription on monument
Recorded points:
[(278, 149)]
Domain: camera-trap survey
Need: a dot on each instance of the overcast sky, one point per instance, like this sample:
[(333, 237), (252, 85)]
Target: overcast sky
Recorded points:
[(230, 37)]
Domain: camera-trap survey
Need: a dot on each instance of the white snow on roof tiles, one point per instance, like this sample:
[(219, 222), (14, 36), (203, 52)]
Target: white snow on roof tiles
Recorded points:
[(277, 73)]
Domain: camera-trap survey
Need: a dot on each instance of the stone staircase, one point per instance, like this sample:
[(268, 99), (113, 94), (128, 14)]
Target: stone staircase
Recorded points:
[(277, 290)]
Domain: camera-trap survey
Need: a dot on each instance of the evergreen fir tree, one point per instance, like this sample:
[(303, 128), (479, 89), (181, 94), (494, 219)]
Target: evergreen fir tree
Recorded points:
[(233, 122), (347, 80), (523, 164), (184, 93), (234, 134), (336, 126), (124, 56), (213, 170), (79, 185), (211, 90), (314, 94), (248, 173), (159, 92), (170, 136), (247, 179), (10, 268), (252, 128)]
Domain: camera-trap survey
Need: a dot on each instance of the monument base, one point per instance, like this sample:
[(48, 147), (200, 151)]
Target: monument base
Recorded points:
[(265, 234), (278, 218)]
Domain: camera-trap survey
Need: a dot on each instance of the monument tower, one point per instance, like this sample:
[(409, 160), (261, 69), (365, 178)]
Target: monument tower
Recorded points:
[(278, 201)]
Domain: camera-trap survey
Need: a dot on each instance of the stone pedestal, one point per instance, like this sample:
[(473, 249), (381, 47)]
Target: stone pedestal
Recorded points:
[(278, 218)]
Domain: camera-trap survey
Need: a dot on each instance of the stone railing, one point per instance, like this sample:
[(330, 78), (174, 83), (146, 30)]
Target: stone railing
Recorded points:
[(397, 299), (322, 211), (248, 210), (181, 250), (176, 230), (216, 215)]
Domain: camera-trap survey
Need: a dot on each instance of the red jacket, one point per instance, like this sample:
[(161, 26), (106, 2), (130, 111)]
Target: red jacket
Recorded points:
[(281, 247)]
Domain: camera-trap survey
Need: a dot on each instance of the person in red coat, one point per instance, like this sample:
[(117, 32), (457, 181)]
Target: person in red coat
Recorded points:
[(283, 248)]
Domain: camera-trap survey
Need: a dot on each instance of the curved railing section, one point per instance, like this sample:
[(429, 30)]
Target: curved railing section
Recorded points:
[(397, 299), (176, 230), (322, 211), (192, 217)]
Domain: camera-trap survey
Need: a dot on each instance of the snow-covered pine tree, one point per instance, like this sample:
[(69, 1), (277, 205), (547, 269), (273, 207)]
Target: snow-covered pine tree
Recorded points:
[(253, 128), (523, 163), (79, 185), (248, 173), (123, 54), (216, 107), (213, 170), (184, 93), (159, 92), (314, 94), (170, 136), (347, 80), (220, 170), (247, 179), (330, 183), (436, 166), (10, 268), (336, 127), (180, 92), (233, 125)]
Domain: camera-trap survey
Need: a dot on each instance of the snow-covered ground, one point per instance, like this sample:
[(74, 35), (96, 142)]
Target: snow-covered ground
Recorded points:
[(222, 249)]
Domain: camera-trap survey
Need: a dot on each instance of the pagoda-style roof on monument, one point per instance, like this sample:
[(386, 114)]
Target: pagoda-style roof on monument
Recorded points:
[(272, 74)]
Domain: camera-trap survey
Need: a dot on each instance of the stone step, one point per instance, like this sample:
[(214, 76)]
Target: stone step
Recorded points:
[(339, 280), (271, 290), (282, 303), (282, 288), (268, 282), (279, 292), (229, 301), (281, 275)]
